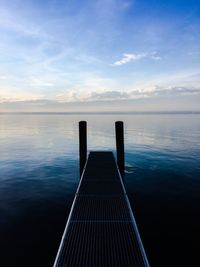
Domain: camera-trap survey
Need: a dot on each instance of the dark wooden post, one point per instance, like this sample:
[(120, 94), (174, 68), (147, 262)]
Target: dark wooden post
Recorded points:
[(119, 131), (82, 144)]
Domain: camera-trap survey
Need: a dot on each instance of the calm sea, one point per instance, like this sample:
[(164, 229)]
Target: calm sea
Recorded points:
[(39, 174)]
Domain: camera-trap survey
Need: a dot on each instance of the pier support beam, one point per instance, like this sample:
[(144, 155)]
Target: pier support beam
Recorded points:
[(119, 132), (82, 144)]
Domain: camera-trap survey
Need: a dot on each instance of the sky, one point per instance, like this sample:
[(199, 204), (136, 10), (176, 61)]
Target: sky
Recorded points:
[(103, 55)]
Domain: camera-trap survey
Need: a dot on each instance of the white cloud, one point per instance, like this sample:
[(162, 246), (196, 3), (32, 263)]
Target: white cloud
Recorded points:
[(86, 99), (84, 96), (109, 95), (127, 58), (134, 57), (153, 91)]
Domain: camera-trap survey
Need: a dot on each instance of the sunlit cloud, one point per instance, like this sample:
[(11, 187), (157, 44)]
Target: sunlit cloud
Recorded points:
[(135, 57), (105, 95), (128, 58), (108, 95)]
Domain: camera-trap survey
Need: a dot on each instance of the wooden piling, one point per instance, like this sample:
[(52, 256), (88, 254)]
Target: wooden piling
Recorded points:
[(82, 144), (119, 132)]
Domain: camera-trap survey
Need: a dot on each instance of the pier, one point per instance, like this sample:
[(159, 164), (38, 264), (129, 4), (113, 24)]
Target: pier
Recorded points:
[(101, 230)]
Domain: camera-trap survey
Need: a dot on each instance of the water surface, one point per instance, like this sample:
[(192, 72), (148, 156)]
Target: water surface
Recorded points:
[(39, 174)]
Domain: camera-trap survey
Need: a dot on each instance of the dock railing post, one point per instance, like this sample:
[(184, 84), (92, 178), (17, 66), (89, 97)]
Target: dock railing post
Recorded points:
[(119, 132), (82, 144)]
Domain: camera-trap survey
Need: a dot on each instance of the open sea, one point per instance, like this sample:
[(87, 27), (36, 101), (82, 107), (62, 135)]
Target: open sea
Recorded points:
[(39, 174)]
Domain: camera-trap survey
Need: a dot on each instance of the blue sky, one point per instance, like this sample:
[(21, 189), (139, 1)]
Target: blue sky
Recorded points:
[(102, 55)]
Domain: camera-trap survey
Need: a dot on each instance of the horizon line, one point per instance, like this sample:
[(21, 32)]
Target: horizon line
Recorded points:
[(98, 112)]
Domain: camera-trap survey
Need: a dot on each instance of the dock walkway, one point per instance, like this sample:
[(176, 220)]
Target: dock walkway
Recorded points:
[(101, 230)]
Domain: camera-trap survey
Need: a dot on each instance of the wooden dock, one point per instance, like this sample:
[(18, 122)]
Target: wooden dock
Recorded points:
[(101, 230)]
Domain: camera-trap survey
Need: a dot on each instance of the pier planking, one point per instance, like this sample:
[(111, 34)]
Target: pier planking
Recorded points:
[(101, 230)]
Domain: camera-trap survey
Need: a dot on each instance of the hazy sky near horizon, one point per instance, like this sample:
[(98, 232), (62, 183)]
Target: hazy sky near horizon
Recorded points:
[(99, 55)]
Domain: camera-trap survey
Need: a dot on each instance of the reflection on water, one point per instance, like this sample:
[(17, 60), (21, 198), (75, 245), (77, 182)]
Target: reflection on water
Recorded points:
[(39, 176)]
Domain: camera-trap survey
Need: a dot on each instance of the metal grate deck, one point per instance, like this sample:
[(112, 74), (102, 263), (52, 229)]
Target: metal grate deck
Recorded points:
[(100, 209), (101, 230)]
